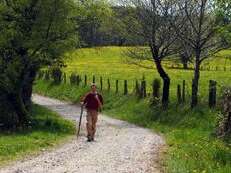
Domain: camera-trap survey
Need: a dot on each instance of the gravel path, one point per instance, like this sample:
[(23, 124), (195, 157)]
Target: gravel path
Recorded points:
[(119, 148)]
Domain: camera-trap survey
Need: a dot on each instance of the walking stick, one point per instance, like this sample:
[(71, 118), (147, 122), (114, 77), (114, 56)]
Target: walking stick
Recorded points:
[(80, 121)]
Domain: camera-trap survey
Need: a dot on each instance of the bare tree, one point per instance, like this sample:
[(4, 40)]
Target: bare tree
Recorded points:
[(185, 51), (198, 19), (155, 18)]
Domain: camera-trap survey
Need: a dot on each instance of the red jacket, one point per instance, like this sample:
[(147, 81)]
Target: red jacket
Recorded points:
[(91, 101)]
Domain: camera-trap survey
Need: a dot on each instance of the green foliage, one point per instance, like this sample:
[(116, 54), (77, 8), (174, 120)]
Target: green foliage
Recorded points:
[(56, 74), (92, 19), (100, 23), (40, 74), (47, 130), (223, 8), (34, 33), (47, 75), (75, 79), (224, 118)]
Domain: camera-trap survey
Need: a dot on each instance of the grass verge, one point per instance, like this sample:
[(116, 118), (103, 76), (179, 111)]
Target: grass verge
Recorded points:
[(48, 129), (189, 133)]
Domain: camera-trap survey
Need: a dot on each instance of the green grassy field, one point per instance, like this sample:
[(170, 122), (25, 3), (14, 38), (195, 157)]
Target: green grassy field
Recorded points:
[(109, 62), (192, 146), (48, 129)]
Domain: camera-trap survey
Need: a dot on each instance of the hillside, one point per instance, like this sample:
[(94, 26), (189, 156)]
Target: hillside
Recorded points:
[(94, 62), (192, 146)]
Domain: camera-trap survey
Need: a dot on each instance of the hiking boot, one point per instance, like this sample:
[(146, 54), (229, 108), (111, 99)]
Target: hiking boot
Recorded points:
[(89, 139)]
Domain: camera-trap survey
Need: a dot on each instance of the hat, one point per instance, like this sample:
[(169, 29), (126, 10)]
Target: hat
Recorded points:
[(93, 84)]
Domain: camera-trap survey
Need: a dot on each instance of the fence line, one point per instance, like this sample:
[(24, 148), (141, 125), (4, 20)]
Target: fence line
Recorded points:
[(139, 88)]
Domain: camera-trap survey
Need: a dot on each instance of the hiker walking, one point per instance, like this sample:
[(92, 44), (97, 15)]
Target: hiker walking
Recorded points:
[(93, 102)]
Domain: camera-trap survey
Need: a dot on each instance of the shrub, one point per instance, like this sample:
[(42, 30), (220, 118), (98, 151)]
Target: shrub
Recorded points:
[(40, 74), (56, 74), (47, 75), (224, 119), (73, 78)]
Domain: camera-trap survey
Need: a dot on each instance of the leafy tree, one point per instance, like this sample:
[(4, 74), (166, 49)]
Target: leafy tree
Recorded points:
[(120, 29), (223, 9), (199, 19), (93, 16), (34, 33)]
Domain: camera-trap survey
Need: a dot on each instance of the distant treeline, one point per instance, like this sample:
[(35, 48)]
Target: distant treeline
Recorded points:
[(107, 26)]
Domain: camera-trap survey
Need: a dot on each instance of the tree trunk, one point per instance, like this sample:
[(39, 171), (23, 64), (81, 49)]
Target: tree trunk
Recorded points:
[(23, 97), (19, 108), (185, 65), (27, 89), (195, 82), (166, 81)]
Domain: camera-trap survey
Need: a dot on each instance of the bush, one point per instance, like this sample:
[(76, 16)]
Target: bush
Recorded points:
[(56, 74), (73, 78), (40, 74), (47, 75), (224, 119)]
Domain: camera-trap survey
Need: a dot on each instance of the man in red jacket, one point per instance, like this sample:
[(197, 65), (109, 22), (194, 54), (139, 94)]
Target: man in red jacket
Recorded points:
[(93, 102)]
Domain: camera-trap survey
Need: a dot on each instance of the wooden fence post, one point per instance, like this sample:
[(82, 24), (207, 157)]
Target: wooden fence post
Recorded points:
[(143, 89), (117, 86), (125, 87), (108, 85), (183, 91), (78, 80), (137, 88), (156, 88), (85, 80), (212, 93), (93, 79), (179, 98), (101, 83), (71, 78)]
